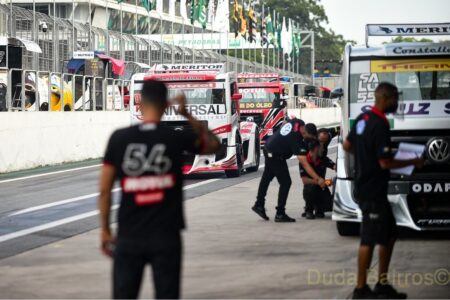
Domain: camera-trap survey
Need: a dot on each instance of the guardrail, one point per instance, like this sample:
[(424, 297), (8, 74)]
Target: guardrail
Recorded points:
[(31, 90)]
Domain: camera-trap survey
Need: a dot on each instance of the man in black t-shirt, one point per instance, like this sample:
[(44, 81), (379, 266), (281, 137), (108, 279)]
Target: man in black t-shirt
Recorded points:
[(369, 141), (285, 142), (147, 160)]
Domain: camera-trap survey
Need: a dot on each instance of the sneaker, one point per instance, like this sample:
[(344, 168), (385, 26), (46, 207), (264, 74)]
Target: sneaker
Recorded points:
[(303, 214), (386, 291), (363, 293), (309, 215), (283, 218), (320, 215), (260, 211)]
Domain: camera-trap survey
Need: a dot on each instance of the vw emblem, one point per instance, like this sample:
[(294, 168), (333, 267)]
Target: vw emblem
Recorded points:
[(250, 119), (438, 150)]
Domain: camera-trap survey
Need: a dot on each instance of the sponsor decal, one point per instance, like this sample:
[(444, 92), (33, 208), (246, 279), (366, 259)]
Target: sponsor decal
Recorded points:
[(415, 50), (261, 105), (148, 183), (258, 75), (360, 126), (408, 29), (286, 129), (434, 222), (435, 188), (222, 129), (434, 108), (395, 66), (149, 198), (189, 67), (366, 87), (180, 77), (259, 90), (198, 109), (205, 85)]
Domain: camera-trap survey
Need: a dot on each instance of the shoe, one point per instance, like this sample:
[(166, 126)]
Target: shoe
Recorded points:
[(283, 218), (319, 215), (363, 293), (260, 211), (303, 214), (309, 215), (386, 291)]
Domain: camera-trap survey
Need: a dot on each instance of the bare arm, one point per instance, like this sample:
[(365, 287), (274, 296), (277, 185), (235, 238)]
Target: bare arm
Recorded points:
[(306, 180), (347, 146), (211, 143), (387, 164), (104, 205)]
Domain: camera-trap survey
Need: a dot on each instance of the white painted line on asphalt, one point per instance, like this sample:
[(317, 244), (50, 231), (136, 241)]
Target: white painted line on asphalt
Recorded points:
[(78, 217), (49, 173), (61, 202), (35, 229)]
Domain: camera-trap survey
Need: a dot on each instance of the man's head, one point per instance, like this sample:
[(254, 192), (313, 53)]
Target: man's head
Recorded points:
[(324, 136), (313, 148), (154, 99), (386, 97), (309, 131)]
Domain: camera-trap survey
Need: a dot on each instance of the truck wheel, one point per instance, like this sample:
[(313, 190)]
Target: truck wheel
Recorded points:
[(238, 171), (257, 154), (348, 228)]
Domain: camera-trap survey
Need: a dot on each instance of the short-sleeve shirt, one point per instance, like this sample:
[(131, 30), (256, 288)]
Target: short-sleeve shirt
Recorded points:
[(148, 163), (318, 165), (287, 140), (370, 139)]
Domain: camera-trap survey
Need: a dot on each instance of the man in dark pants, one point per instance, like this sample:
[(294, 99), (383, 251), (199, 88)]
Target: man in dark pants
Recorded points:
[(147, 160), (285, 142), (369, 141), (317, 199)]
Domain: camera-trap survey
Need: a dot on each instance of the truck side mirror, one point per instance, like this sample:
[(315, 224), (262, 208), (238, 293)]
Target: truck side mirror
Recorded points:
[(236, 97)]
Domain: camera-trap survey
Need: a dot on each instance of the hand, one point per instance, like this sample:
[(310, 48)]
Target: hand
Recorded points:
[(106, 243), (180, 100), (321, 183), (419, 162)]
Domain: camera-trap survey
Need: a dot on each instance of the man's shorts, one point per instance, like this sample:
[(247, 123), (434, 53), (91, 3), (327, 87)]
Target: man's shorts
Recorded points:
[(378, 223)]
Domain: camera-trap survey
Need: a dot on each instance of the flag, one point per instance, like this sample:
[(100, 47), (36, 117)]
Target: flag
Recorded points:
[(236, 19), (183, 10), (288, 43), (211, 10), (270, 30), (252, 25), (263, 29), (278, 32), (194, 14), (148, 5), (297, 43), (202, 15), (159, 6), (221, 20), (243, 23), (172, 8)]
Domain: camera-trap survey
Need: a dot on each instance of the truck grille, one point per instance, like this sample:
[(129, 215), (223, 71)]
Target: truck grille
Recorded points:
[(430, 170), (430, 211)]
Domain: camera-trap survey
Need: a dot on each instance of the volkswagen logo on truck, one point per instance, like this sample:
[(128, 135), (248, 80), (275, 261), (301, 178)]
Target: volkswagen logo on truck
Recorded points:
[(438, 150)]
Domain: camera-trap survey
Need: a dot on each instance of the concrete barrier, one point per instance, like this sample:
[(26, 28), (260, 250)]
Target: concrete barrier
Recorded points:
[(322, 117), (29, 140)]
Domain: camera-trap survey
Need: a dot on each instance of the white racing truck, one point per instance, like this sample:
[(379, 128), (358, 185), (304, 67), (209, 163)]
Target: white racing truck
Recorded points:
[(421, 71), (212, 97)]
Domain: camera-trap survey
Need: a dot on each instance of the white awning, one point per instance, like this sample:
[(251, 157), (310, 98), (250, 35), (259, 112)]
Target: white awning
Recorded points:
[(29, 45)]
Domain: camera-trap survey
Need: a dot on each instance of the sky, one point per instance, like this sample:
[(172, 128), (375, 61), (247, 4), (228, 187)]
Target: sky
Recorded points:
[(349, 17)]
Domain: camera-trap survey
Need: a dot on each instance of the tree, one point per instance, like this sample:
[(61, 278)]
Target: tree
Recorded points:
[(401, 39)]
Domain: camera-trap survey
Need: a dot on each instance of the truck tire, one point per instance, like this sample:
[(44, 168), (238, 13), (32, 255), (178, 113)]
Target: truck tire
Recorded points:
[(257, 154), (348, 228), (238, 171)]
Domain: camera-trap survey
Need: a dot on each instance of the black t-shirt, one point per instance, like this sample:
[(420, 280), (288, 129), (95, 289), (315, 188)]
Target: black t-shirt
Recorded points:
[(318, 165), (287, 140), (148, 161), (370, 138)]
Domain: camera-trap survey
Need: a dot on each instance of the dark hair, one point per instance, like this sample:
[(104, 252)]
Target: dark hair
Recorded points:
[(312, 143), (155, 93), (386, 90), (311, 129)]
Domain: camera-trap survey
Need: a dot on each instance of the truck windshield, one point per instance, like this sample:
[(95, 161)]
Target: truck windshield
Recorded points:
[(200, 95), (416, 79)]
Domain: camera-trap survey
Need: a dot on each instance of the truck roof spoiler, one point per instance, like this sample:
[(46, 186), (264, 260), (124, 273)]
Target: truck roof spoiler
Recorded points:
[(406, 30), (188, 68)]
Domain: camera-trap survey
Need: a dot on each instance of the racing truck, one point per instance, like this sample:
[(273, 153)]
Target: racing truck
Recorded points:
[(421, 71), (262, 102), (213, 98)]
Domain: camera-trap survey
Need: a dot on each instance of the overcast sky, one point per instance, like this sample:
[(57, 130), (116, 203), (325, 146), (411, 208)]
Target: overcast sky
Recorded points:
[(348, 17)]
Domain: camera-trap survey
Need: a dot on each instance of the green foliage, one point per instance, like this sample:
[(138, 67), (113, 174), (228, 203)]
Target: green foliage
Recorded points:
[(402, 39)]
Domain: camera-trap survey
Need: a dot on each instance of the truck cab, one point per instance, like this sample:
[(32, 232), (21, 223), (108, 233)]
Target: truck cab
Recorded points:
[(421, 71), (213, 98)]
